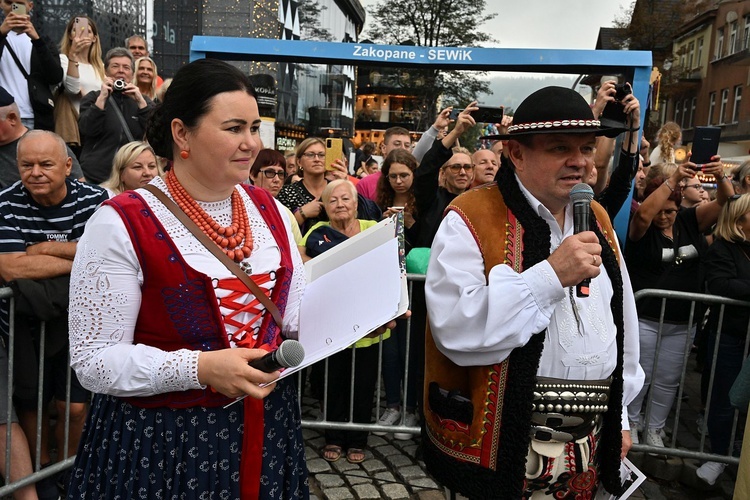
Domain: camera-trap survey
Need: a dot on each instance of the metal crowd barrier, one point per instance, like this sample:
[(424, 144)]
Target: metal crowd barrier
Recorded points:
[(370, 427), (64, 461), (671, 450), (712, 301)]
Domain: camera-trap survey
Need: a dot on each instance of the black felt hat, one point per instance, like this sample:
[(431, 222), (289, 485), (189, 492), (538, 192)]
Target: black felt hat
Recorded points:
[(5, 98), (556, 110)]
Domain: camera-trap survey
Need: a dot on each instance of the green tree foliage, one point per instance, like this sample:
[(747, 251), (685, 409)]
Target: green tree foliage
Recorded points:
[(435, 23), (309, 21)]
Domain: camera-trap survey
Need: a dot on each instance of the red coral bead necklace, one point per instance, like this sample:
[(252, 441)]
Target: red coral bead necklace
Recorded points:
[(235, 240)]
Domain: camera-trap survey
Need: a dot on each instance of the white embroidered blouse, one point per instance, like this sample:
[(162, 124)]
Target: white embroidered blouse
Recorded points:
[(105, 299)]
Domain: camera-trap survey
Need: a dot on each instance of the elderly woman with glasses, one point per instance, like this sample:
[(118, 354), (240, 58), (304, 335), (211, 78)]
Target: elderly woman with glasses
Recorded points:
[(728, 274), (664, 250)]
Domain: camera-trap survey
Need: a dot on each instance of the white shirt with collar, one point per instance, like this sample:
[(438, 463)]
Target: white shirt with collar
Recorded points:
[(477, 321), (11, 78)]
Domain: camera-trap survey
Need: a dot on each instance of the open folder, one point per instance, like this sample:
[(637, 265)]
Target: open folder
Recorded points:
[(351, 290)]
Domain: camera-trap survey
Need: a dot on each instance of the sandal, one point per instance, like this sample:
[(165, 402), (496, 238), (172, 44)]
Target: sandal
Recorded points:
[(355, 455), (331, 452)]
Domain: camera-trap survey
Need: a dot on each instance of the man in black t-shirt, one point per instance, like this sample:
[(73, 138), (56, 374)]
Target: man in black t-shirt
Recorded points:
[(42, 217)]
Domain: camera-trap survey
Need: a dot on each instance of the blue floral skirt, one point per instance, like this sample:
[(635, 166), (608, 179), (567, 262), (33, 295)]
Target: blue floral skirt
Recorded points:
[(192, 453)]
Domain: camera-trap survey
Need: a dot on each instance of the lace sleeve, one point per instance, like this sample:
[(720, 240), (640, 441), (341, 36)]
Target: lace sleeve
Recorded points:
[(291, 314), (105, 299)]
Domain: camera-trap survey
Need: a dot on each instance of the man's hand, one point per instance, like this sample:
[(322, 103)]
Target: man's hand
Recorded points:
[(627, 443), (19, 24), (132, 91), (577, 258), (605, 94)]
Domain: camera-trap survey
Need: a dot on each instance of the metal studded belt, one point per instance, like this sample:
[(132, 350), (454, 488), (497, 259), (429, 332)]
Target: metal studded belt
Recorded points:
[(566, 410)]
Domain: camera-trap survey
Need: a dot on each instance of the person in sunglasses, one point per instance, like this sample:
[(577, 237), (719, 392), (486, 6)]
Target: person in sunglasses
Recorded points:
[(665, 249)]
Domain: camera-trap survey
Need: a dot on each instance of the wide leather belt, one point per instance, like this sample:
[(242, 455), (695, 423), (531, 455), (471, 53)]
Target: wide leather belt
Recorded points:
[(567, 410)]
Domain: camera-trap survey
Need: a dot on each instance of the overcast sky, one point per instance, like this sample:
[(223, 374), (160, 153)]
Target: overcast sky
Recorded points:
[(559, 24)]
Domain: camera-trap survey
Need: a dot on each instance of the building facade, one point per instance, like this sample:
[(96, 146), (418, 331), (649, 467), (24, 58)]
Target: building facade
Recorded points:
[(708, 73)]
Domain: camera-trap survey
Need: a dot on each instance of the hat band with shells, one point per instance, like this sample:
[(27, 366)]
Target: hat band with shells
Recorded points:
[(554, 125)]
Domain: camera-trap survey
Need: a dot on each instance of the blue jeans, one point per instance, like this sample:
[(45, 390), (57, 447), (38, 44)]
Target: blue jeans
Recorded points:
[(394, 361), (729, 358)]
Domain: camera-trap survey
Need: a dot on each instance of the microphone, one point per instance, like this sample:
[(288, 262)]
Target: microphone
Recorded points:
[(581, 195), (290, 353)]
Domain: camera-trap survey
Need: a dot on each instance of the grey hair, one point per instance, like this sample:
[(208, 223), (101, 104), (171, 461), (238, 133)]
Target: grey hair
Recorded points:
[(127, 40), (118, 52), (31, 134)]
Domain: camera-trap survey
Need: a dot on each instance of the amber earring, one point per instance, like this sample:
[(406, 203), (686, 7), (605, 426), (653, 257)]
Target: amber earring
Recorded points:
[(184, 154)]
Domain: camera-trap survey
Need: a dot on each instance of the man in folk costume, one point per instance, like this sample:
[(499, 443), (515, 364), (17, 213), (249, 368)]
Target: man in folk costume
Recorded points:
[(526, 384)]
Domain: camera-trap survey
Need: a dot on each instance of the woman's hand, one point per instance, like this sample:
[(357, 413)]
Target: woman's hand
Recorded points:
[(338, 170), (685, 170), (80, 46), (388, 326), (715, 168), (227, 371), (311, 210)]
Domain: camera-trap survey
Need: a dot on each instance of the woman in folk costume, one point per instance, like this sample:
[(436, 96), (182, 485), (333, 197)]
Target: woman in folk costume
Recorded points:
[(162, 329)]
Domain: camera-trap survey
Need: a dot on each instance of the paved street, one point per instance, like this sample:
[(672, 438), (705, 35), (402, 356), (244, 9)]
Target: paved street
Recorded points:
[(391, 470)]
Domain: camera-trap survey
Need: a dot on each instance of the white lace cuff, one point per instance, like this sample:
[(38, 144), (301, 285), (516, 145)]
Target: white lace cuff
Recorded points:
[(175, 371)]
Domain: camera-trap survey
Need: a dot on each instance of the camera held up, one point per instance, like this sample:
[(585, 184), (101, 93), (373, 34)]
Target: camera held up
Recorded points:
[(614, 112), (119, 85)]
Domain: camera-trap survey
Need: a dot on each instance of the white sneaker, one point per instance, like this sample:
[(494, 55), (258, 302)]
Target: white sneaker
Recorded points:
[(653, 438), (710, 471), (409, 421), (391, 416)]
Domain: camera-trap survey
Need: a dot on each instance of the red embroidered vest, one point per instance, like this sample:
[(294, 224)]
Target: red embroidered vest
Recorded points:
[(179, 309)]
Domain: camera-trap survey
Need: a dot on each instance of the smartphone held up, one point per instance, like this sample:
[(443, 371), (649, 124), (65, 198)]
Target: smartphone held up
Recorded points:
[(334, 151)]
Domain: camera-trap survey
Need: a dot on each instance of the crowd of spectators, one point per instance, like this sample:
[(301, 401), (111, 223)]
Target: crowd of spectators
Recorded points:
[(679, 237)]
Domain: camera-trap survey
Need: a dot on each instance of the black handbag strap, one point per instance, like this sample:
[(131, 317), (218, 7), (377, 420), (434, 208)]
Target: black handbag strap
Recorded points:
[(214, 249), (15, 58), (123, 123)]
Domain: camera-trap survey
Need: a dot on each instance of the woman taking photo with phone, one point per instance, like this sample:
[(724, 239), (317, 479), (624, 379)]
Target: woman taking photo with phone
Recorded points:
[(665, 249), (81, 59)]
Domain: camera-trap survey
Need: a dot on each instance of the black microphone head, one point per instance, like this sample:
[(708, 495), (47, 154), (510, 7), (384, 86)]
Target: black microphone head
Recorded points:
[(290, 353), (581, 193)]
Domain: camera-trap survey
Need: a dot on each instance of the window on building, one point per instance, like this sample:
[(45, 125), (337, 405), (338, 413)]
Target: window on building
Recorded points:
[(699, 53), (737, 102), (719, 43), (677, 112), (691, 121), (746, 33), (723, 108), (711, 107), (685, 114), (733, 47), (691, 56)]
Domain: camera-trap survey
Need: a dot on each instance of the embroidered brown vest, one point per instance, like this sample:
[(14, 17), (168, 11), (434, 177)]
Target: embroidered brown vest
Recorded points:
[(477, 418)]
